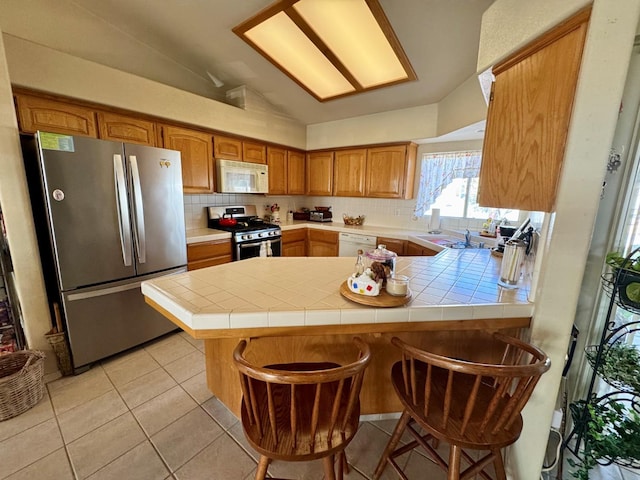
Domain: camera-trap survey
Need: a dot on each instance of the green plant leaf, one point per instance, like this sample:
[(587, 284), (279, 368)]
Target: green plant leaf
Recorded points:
[(633, 291)]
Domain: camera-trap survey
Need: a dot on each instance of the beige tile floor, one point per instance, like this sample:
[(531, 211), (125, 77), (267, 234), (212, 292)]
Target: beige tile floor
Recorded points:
[(147, 414)]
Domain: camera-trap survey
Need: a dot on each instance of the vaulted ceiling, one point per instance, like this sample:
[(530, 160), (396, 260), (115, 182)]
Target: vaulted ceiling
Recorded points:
[(177, 42)]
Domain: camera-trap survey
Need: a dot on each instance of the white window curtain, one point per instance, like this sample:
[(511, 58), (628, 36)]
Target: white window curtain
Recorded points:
[(439, 170)]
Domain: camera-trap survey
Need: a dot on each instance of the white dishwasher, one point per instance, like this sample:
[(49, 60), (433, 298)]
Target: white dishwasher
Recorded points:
[(350, 243)]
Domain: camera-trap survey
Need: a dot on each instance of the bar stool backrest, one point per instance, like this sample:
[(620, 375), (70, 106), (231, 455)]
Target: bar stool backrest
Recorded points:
[(323, 397), (488, 397)]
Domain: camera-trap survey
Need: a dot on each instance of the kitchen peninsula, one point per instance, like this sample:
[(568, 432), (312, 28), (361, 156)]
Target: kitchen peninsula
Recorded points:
[(291, 308)]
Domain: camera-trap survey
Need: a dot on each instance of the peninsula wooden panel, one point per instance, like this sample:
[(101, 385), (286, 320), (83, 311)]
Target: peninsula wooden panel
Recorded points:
[(35, 113), (349, 172), (113, 126), (528, 119), (197, 157), (319, 173), (377, 394)]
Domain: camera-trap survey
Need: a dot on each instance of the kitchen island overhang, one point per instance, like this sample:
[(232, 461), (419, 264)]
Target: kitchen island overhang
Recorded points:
[(291, 309)]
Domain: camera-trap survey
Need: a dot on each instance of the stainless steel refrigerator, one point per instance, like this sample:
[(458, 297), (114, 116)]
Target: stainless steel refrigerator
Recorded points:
[(108, 216)]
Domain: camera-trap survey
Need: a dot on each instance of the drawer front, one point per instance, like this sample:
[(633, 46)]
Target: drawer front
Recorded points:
[(323, 236), (207, 250), (294, 235)]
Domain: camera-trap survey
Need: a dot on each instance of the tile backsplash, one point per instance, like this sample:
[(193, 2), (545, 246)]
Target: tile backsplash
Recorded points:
[(377, 211)]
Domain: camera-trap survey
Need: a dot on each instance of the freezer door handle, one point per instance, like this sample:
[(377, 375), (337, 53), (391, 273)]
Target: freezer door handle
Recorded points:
[(104, 291), (122, 209), (140, 236)]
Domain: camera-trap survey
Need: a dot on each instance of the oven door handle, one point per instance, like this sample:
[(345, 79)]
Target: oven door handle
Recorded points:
[(244, 245)]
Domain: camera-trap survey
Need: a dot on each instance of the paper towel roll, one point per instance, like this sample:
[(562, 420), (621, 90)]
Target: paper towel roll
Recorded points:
[(434, 223)]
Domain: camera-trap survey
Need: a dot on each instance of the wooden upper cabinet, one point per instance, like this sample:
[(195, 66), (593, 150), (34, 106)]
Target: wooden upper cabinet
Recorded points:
[(277, 163), (319, 173), (36, 113), (254, 152), (390, 171), (196, 149), (349, 172), (113, 126), (295, 173), (528, 119), (228, 148)]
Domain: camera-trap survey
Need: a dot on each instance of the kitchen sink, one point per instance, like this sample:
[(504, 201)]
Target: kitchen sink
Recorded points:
[(448, 241)]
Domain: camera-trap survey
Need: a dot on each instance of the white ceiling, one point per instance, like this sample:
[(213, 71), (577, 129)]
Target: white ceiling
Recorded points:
[(177, 41)]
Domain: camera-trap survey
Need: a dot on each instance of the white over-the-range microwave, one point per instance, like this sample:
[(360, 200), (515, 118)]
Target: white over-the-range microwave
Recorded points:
[(242, 177)]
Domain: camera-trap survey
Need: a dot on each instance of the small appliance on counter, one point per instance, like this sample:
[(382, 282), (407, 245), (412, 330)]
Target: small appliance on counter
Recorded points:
[(321, 214)]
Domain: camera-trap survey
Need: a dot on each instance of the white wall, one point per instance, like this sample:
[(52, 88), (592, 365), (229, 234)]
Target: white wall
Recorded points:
[(392, 126), (506, 26), (462, 107), (41, 68), (16, 209)]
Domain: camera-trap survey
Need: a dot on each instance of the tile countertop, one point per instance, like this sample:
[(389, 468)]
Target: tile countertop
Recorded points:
[(305, 291), (418, 236)]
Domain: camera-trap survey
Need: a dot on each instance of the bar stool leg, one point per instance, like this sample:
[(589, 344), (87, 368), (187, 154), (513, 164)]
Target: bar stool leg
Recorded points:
[(454, 463), (498, 464), (393, 443), (263, 465), (329, 472)]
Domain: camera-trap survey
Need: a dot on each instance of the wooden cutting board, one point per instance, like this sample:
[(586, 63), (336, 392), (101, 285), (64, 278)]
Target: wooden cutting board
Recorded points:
[(383, 300)]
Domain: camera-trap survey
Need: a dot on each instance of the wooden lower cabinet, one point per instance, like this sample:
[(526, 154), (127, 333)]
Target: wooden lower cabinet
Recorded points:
[(393, 244), (207, 254), (322, 243), (415, 250), (294, 243)]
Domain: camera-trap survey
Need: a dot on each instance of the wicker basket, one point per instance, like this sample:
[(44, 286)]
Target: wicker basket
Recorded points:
[(349, 220), (60, 348), (21, 382)]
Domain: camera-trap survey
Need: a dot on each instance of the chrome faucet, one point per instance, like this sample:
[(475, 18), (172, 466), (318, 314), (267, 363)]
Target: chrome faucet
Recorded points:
[(467, 239)]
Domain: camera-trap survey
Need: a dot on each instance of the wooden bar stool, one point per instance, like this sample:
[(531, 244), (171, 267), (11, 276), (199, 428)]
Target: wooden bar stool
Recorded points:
[(301, 411), (472, 406)]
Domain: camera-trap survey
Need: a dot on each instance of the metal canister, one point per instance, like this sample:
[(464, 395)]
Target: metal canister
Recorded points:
[(512, 260)]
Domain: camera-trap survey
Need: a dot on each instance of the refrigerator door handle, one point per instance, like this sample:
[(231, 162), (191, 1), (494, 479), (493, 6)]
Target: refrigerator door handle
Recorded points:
[(122, 209), (140, 236)]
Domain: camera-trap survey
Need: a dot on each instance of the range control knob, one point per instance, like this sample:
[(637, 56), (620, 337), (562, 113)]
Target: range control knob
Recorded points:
[(260, 235)]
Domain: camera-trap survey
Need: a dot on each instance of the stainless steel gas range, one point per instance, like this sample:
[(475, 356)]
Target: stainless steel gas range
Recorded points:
[(251, 236)]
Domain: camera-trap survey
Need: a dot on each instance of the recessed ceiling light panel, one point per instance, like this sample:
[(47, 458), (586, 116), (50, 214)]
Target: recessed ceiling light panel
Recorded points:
[(285, 44), (331, 48)]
